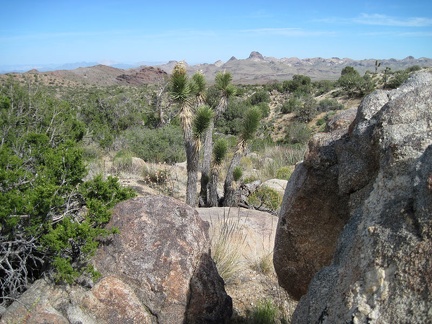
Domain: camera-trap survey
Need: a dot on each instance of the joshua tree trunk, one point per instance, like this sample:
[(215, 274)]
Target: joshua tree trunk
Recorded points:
[(192, 155), (213, 199), (205, 169), (230, 192)]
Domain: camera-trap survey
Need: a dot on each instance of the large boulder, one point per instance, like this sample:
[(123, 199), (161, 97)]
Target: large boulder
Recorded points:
[(313, 213), (157, 270), (381, 268)]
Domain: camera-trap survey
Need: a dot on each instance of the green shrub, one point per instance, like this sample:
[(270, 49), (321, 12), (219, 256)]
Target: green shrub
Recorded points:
[(237, 173), (297, 133), (260, 96), (291, 105), (323, 86), (163, 144), (265, 197), (329, 104), (413, 68), (283, 173), (265, 312), (264, 108), (52, 219), (397, 79), (123, 161)]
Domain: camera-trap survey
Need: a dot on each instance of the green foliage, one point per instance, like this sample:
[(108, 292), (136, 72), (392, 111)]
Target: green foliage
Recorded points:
[(265, 197), (237, 173), (413, 68), (261, 96), (202, 119), (397, 79), (179, 86), (264, 313), (109, 112), (283, 173), (220, 149), (264, 108), (349, 70), (297, 133), (231, 120), (323, 86), (291, 105), (329, 104), (223, 83), (306, 112), (42, 192), (354, 84), (198, 84), (164, 144), (300, 84), (250, 124)]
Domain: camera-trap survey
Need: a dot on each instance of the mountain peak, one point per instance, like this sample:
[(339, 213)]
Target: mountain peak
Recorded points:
[(257, 56)]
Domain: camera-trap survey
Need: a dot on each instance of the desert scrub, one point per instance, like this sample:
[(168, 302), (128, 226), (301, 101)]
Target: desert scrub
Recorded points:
[(160, 177), (265, 312), (227, 241), (164, 144), (51, 220), (123, 161), (156, 174), (264, 264), (265, 198), (283, 173)]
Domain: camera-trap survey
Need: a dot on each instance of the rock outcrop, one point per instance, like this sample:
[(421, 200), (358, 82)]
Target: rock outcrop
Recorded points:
[(381, 173), (157, 270)]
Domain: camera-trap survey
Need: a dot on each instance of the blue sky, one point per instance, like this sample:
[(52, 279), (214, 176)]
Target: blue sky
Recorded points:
[(130, 31)]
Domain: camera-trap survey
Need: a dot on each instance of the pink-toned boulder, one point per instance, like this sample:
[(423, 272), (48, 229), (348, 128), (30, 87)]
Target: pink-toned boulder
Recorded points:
[(157, 270)]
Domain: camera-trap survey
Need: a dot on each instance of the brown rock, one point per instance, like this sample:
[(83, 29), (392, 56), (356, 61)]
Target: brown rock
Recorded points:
[(381, 268), (162, 246), (312, 215), (157, 270)]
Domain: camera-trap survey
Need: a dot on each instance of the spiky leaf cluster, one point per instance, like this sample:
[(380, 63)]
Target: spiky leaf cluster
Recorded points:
[(219, 151), (251, 122), (180, 88), (202, 120)]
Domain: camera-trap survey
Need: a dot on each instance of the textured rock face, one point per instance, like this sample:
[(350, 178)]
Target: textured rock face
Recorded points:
[(381, 269), (312, 215), (157, 270)]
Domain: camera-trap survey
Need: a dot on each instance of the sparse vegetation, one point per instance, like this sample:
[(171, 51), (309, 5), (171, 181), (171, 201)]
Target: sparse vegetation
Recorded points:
[(53, 207), (265, 312), (227, 241), (265, 198)]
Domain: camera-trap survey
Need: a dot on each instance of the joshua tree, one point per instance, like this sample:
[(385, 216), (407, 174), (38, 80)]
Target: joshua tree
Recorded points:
[(225, 89), (250, 125), (194, 123), (377, 65), (219, 153)]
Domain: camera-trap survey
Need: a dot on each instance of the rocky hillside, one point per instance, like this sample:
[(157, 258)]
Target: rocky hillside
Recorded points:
[(259, 69), (256, 69), (355, 230)]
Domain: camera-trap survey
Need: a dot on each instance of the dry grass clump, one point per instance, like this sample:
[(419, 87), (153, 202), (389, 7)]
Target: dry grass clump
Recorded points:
[(228, 241), (264, 264)]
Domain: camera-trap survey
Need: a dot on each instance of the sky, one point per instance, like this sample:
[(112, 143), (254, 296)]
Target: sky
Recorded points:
[(132, 31)]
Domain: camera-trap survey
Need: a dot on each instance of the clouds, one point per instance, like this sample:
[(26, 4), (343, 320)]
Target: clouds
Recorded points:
[(380, 20), (287, 32), (384, 20)]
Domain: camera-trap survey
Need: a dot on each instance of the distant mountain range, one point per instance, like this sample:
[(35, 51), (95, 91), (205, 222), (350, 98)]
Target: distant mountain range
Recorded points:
[(252, 70)]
